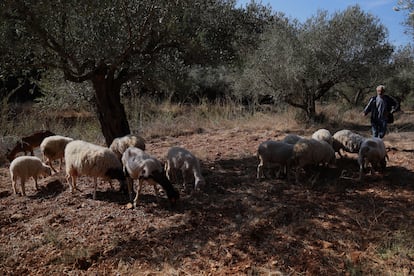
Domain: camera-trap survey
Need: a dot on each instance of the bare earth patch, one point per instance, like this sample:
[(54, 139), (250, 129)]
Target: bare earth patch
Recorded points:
[(334, 226)]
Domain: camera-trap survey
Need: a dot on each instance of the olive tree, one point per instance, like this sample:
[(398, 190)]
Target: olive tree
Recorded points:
[(300, 63), (407, 6), (110, 42), (401, 83)]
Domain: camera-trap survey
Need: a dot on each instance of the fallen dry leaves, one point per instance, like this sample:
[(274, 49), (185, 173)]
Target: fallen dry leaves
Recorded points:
[(237, 226)]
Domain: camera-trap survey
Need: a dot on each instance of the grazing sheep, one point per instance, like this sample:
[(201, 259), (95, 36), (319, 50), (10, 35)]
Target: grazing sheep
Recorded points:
[(26, 167), (28, 143), (181, 159), (323, 135), (53, 147), (120, 145), (312, 152), (83, 158), (372, 152), (347, 141), (291, 139), (139, 165), (271, 153)]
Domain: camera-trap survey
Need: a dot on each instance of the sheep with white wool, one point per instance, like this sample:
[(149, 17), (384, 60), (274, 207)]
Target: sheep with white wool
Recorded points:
[(139, 165), (87, 159), (323, 135), (24, 167), (372, 151), (180, 159), (347, 141), (312, 152), (120, 145), (53, 148), (274, 153)]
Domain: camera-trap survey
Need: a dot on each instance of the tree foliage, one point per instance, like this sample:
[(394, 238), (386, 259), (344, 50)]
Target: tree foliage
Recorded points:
[(110, 42), (401, 83), (300, 63), (407, 6)]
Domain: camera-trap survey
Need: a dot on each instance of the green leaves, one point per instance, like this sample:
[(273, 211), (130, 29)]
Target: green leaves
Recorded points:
[(301, 63)]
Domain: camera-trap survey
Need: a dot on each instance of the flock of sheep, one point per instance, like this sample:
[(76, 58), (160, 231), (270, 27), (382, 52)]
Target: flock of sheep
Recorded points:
[(299, 152), (126, 160)]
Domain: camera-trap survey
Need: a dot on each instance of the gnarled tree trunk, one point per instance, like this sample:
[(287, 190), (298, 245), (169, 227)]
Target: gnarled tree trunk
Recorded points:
[(111, 112), (310, 107)]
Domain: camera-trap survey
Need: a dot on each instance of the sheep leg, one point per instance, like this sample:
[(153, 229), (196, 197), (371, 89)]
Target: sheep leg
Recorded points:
[(154, 184), (14, 184), (260, 171), (69, 180), (361, 168), (278, 169), (171, 173), (95, 184), (140, 183), (36, 186), (49, 162), (130, 184), (22, 184), (174, 175), (314, 178), (168, 171), (72, 184), (184, 173)]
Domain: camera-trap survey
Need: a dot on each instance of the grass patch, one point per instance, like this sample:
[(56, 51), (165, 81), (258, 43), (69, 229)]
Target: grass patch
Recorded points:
[(399, 245), (151, 118)]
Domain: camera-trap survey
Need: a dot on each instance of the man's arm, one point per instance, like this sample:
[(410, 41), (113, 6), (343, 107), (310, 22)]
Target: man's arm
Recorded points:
[(395, 105), (368, 108)]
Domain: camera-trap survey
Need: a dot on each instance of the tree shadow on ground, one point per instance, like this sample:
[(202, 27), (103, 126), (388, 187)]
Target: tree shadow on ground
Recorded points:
[(299, 226)]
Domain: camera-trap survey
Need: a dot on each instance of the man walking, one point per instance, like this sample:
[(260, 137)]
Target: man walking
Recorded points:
[(381, 107)]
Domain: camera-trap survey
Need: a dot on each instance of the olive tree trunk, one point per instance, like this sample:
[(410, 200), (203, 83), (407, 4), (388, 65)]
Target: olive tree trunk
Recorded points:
[(110, 110)]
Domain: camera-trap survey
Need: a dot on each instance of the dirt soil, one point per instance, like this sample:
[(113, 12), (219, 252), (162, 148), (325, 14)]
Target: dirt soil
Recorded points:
[(335, 225)]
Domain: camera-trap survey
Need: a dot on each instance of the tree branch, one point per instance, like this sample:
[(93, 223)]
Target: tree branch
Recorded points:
[(48, 42)]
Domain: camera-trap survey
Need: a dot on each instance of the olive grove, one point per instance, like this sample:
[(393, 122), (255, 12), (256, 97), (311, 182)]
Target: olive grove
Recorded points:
[(110, 42), (299, 63)]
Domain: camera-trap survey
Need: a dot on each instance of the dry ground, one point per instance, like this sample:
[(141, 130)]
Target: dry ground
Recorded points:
[(335, 226)]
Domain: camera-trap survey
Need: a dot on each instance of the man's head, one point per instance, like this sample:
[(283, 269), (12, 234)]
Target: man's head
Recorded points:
[(380, 90)]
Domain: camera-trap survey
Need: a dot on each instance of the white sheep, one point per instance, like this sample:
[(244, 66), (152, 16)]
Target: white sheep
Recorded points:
[(180, 159), (26, 167), (347, 141), (119, 145), (372, 151), (139, 165), (83, 158), (291, 138), (312, 152), (274, 153), (323, 135), (53, 147)]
